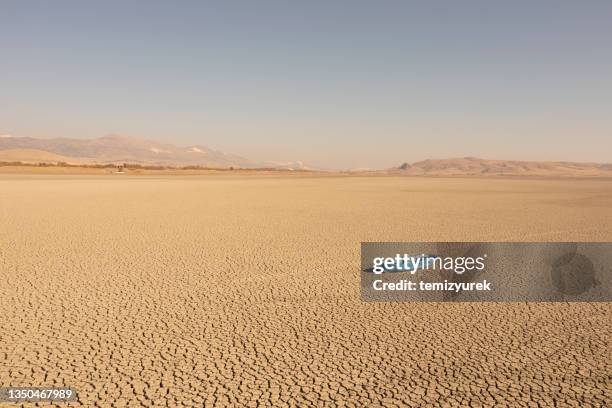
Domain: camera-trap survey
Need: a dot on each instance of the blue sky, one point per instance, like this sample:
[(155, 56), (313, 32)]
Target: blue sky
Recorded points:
[(332, 83)]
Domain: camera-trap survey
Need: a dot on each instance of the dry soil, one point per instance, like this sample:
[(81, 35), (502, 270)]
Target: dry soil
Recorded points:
[(244, 290)]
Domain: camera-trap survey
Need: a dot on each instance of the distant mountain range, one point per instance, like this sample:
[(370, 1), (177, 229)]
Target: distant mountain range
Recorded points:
[(122, 149), (471, 166), (115, 149)]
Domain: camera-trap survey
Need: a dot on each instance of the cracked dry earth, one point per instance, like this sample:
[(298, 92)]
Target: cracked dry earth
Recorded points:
[(244, 291)]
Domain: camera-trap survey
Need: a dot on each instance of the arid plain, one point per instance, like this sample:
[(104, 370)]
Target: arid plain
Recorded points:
[(244, 290)]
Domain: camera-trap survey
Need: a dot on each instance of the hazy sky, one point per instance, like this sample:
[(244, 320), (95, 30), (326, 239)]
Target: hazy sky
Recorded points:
[(332, 83)]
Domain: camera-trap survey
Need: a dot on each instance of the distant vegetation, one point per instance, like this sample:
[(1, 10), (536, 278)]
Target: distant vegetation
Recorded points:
[(56, 164), (135, 166)]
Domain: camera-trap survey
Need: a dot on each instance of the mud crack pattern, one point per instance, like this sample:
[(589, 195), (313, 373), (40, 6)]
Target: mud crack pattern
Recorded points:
[(244, 291)]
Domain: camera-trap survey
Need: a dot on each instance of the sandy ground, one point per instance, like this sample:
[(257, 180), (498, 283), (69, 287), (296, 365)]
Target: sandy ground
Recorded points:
[(217, 290)]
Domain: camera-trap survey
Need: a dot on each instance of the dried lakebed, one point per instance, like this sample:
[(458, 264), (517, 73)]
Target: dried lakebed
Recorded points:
[(244, 290)]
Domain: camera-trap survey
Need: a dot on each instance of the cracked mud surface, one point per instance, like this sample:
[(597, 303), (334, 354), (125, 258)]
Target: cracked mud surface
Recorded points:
[(198, 291)]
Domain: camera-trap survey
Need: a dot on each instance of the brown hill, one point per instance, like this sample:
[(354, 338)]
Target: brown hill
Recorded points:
[(471, 166), (38, 156), (117, 149)]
